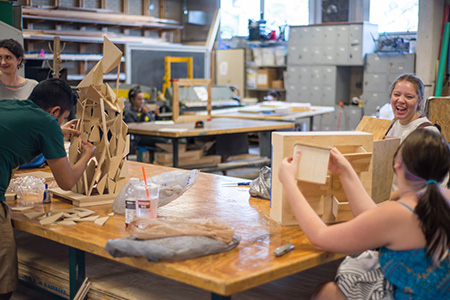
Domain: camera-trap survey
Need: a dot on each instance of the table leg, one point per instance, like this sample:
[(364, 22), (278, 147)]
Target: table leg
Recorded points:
[(77, 270), (175, 152), (311, 123), (219, 297)]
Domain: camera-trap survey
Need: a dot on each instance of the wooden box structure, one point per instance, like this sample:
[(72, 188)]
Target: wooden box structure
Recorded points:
[(369, 152), (328, 199), (100, 114), (176, 100)]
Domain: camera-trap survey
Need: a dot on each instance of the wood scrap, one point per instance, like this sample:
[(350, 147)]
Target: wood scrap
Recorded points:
[(83, 290), (101, 221), (89, 219), (21, 208), (33, 215), (51, 219), (66, 222)]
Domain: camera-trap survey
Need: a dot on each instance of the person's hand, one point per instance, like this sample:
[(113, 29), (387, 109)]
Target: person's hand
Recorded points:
[(147, 108), (156, 110), (288, 168), (87, 149), (68, 129), (337, 164)]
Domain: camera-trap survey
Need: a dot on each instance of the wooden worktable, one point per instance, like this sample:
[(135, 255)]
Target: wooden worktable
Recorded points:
[(264, 113), (249, 265), (216, 126)]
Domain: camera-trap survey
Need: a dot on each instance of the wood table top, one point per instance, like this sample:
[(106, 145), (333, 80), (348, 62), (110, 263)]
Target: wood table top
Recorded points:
[(249, 265), (215, 126), (273, 116)]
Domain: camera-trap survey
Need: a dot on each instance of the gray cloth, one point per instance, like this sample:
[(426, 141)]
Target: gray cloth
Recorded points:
[(173, 248), (360, 277), (20, 94)]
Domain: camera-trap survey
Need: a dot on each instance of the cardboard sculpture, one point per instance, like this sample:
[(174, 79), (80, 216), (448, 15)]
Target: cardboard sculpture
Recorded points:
[(100, 112), (328, 199), (368, 153)]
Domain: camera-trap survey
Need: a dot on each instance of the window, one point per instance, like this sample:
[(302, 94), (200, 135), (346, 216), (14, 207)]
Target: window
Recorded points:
[(395, 15), (236, 13), (278, 13)]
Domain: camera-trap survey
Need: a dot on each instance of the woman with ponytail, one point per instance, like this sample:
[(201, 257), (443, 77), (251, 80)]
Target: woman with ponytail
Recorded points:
[(412, 233)]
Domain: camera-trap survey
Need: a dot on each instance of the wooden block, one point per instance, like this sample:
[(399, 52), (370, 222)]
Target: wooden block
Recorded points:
[(358, 157), (10, 196), (283, 145), (313, 164), (341, 210)]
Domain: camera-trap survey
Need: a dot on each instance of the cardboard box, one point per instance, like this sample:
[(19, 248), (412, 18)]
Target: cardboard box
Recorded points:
[(277, 84), (264, 77)]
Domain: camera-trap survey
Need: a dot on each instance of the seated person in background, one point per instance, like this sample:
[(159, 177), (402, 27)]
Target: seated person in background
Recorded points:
[(273, 95), (413, 233), (30, 127), (13, 86), (141, 112)]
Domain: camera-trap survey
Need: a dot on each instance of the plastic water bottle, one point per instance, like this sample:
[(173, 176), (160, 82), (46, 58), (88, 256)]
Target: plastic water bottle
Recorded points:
[(147, 200), (130, 200)]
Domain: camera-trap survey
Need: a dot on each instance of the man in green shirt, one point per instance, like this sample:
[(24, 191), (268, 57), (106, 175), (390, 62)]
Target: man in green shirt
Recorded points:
[(28, 128)]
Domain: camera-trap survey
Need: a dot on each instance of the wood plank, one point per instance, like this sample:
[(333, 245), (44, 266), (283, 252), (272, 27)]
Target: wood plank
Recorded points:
[(81, 200), (383, 173), (378, 127)]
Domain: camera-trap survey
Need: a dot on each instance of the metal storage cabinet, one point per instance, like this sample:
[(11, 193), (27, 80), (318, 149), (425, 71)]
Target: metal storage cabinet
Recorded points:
[(316, 44), (319, 61), (381, 70)]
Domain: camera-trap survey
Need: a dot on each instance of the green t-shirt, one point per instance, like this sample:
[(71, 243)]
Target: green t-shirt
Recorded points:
[(26, 131)]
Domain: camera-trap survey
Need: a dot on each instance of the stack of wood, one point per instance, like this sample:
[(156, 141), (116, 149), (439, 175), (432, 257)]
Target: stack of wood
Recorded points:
[(185, 157)]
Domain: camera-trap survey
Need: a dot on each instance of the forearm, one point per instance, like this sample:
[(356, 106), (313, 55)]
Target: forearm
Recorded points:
[(357, 195), (66, 176), (79, 167), (310, 223)]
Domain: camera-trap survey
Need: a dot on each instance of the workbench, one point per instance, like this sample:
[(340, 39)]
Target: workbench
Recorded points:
[(258, 112), (249, 265), (213, 127)]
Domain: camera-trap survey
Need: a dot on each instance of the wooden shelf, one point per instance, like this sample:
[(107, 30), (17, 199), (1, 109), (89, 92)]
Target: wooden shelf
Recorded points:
[(67, 57), (79, 77), (265, 89)]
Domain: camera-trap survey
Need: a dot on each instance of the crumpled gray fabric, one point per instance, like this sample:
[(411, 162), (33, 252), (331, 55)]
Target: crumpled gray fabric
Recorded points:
[(173, 248), (260, 187)]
